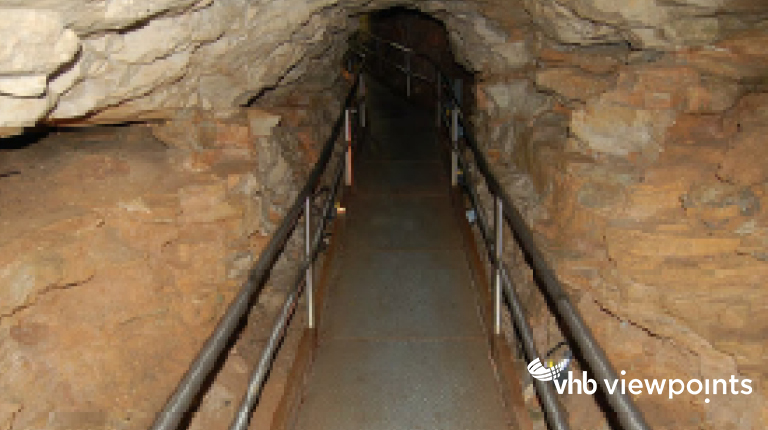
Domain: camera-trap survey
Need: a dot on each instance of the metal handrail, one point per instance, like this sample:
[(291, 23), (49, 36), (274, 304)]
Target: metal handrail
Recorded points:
[(628, 415), (193, 382)]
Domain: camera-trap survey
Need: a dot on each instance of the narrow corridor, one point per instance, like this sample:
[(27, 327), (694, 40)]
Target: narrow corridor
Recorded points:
[(401, 342)]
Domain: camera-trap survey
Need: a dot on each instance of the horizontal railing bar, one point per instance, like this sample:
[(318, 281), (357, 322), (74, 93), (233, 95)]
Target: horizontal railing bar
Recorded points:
[(422, 77), (242, 419), (391, 43), (194, 379), (550, 403), (628, 414), (556, 416), (243, 416)]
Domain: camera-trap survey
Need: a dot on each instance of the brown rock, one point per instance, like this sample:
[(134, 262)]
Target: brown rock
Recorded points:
[(698, 129), (743, 163), (678, 88), (645, 201), (750, 112), (595, 59), (78, 419), (234, 139), (261, 122), (205, 202), (743, 56), (659, 243), (7, 414), (574, 84), (611, 128)]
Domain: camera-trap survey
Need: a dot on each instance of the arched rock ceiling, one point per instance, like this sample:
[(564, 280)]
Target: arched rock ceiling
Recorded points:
[(134, 59)]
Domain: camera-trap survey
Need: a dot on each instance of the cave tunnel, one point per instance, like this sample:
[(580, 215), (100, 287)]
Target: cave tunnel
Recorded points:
[(154, 162)]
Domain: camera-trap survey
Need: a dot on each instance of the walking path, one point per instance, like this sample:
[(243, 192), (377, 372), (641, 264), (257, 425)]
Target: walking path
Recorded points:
[(401, 344)]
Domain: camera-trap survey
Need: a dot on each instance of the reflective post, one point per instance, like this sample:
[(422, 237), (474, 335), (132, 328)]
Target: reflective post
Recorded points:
[(348, 137), (310, 288), (497, 267), (454, 146)]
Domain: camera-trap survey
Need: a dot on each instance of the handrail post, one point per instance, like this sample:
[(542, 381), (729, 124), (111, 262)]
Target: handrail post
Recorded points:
[(310, 289), (348, 137), (439, 98), (408, 73), (499, 227), (363, 92), (454, 146)]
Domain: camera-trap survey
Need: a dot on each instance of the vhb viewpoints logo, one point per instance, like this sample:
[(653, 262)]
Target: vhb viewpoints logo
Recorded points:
[(556, 373), (538, 371)]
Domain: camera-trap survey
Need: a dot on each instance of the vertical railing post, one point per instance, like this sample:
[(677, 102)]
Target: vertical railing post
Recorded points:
[(457, 90), (363, 93), (348, 138), (439, 99), (454, 146), (408, 73), (499, 227), (310, 287)]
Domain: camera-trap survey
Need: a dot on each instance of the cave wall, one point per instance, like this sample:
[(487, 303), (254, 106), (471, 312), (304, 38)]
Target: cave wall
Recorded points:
[(120, 261), (631, 135), (636, 155)]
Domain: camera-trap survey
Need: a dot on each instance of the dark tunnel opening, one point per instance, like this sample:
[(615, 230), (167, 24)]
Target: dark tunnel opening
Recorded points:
[(428, 36)]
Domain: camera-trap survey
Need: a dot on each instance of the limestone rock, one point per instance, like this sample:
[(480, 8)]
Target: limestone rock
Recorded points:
[(261, 122), (36, 47), (35, 42), (565, 25), (666, 244), (516, 98), (24, 86), (610, 128), (23, 111), (677, 88), (743, 56), (573, 84)]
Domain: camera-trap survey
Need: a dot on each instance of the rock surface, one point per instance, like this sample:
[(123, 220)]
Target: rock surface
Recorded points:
[(120, 263), (140, 57), (641, 177)]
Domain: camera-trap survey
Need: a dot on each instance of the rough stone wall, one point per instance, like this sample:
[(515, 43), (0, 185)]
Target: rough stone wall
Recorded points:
[(633, 141), (120, 262), (128, 60)]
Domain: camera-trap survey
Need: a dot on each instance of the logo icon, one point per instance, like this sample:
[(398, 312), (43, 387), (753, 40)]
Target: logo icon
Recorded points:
[(538, 371)]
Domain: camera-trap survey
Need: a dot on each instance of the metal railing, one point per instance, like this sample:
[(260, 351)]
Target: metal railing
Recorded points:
[(194, 381), (450, 116)]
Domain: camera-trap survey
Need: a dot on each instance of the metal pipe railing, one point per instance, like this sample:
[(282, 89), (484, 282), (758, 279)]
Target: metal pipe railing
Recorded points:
[(258, 376), (190, 387), (628, 415)]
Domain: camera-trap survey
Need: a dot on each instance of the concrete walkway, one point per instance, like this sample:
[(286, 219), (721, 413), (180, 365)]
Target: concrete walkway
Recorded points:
[(401, 343)]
